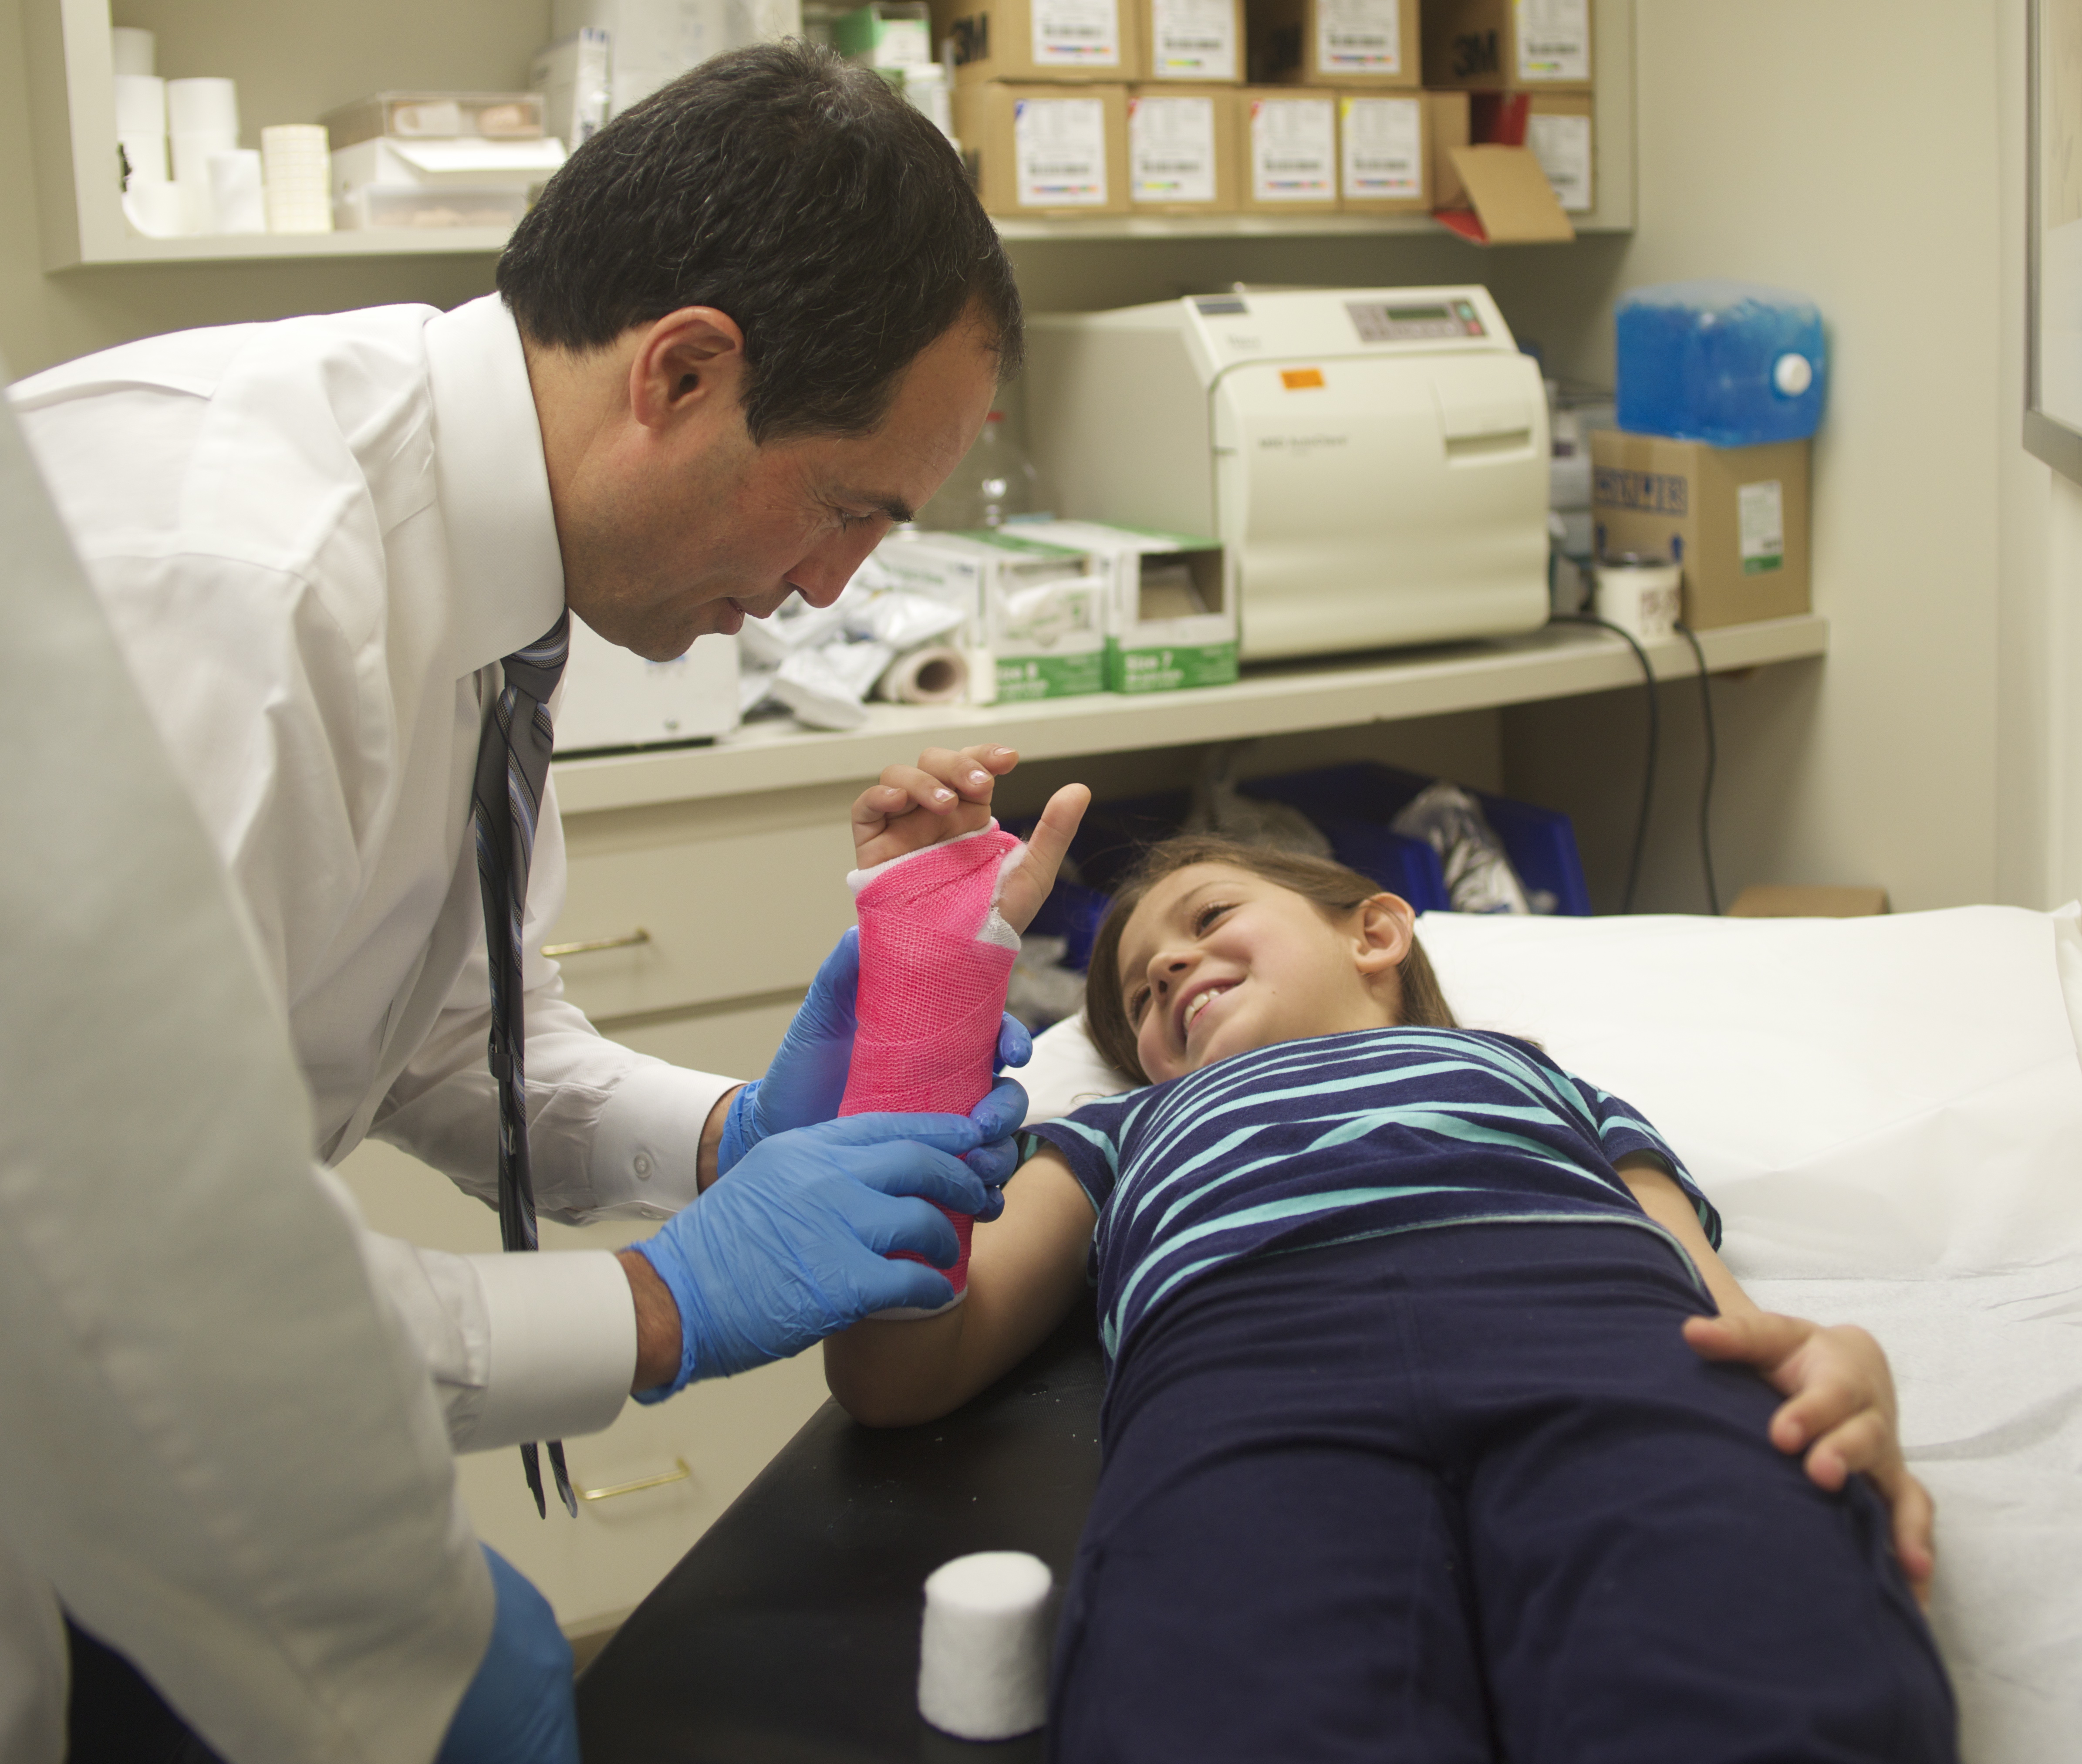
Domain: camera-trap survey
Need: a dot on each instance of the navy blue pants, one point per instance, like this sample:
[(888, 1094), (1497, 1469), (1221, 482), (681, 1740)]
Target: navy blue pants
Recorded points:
[(1464, 1495)]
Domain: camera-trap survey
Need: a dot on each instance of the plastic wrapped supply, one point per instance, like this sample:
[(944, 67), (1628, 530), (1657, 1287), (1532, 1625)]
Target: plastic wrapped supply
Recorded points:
[(902, 620), (437, 116), (826, 688), (1479, 876), (1728, 363), (795, 624)]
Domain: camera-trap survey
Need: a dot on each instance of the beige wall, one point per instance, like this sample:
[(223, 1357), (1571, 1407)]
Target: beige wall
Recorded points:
[(1850, 152)]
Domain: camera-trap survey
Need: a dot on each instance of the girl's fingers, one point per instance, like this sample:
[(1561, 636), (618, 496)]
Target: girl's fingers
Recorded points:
[(1028, 886)]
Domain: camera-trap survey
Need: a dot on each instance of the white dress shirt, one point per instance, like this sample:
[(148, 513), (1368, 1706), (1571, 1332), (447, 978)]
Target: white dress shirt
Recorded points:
[(217, 1445), (315, 539)]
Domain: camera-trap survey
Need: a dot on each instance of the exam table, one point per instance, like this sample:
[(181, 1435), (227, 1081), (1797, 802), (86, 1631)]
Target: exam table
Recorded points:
[(788, 1634)]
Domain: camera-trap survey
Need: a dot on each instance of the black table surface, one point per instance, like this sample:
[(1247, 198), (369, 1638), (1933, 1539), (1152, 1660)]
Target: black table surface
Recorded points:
[(788, 1634)]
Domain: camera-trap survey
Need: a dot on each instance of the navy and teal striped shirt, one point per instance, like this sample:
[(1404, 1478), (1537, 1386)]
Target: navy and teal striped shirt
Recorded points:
[(1309, 1143)]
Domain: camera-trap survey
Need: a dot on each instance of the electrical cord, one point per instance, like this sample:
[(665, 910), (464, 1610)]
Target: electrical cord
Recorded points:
[(1713, 758), (1655, 741)]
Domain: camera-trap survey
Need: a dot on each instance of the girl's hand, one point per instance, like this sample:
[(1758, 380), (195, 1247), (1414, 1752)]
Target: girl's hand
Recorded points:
[(948, 793), (1841, 1413)]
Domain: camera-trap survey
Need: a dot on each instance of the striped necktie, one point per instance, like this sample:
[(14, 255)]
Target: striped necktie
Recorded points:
[(513, 765)]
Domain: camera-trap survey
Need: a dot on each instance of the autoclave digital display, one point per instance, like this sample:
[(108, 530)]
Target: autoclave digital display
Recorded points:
[(1376, 321)]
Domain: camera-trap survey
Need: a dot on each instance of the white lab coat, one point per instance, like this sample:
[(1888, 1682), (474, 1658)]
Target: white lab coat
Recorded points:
[(315, 539), (217, 1444)]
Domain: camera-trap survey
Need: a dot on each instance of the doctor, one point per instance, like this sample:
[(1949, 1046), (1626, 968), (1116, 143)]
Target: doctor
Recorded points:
[(750, 325)]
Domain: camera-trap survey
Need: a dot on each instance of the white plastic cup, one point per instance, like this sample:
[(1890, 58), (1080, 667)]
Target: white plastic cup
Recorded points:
[(136, 51), (141, 105), (196, 107), (1643, 598), (234, 192), (298, 162)]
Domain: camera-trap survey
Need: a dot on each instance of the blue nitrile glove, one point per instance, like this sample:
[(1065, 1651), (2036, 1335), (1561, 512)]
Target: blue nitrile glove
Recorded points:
[(518, 1709), (805, 1078), (792, 1244)]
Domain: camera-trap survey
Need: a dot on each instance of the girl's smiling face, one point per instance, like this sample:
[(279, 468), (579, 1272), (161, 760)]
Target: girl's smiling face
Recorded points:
[(1216, 961)]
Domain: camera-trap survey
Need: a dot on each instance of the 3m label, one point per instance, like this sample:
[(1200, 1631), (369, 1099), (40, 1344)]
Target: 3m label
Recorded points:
[(1059, 144), (1168, 668), (1358, 36), (1383, 141), (1300, 379), (1077, 33), (1050, 676), (1553, 39), (1760, 519), (1293, 150), (1653, 492), (1193, 40), (1562, 146), (1171, 150)]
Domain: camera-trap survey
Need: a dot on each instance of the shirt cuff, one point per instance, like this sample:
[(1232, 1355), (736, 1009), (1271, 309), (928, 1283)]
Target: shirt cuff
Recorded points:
[(562, 1329), (645, 1158)]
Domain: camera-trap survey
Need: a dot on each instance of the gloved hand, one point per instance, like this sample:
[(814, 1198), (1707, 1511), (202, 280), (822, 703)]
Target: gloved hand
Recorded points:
[(792, 1244), (807, 1077), (518, 1709)]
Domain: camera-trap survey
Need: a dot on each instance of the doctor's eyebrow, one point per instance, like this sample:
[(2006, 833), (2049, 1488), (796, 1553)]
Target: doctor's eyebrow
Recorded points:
[(897, 510)]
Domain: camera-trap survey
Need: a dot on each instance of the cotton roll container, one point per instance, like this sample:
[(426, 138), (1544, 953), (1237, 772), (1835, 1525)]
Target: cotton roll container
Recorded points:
[(932, 675), (298, 166), (234, 192), (200, 107), (983, 1653), (134, 52)]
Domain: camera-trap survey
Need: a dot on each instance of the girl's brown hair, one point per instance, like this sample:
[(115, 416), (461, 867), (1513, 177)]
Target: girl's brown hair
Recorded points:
[(1335, 889)]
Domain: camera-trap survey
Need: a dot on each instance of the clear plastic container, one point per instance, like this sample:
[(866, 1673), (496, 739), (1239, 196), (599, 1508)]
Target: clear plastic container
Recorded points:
[(994, 484), (437, 116), (1725, 362), (375, 205)]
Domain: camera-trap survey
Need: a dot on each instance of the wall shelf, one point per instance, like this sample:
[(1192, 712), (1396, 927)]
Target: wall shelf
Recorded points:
[(1556, 662)]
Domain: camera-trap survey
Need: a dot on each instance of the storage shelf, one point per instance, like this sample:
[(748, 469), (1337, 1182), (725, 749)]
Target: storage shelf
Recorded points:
[(268, 248), (1131, 226), (1558, 661)]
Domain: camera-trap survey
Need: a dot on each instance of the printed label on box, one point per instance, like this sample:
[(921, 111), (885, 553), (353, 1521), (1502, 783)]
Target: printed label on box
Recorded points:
[(1077, 33), (1171, 150), (1169, 668), (1760, 518), (1384, 147), (1060, 145), (1358, 36), (1562, 146), (1293, 150), (1554, 40), (1193, 39), (1050, 676), (1653, 492)]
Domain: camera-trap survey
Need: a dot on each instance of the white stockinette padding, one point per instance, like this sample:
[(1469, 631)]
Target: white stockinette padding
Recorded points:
[(983, 1651), (1888, 1113)]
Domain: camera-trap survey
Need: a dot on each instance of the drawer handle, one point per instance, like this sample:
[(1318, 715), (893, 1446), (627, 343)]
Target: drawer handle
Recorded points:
[(627, 940), (678, 1473)]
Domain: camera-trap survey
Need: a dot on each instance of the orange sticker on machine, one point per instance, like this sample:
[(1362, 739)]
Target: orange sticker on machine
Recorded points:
[(1300, 379)]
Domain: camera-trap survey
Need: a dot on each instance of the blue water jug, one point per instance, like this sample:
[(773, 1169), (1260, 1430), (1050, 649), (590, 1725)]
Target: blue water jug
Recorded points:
[(1725, 362)]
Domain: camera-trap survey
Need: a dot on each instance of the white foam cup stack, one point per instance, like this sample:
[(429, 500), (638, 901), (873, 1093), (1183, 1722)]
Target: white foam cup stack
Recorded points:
[(983, 1653), (135, 52), (296, 163)]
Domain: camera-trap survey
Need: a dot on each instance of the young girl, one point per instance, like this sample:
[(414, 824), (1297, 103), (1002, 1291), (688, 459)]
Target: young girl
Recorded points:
[(1406, 1455)]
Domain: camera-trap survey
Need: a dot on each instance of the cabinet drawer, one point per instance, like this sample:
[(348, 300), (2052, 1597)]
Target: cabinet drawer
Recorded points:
[(732, 898)]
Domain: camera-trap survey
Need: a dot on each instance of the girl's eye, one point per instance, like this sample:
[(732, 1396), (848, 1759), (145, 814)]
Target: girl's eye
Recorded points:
[(1136, 1005), (1207, 916)]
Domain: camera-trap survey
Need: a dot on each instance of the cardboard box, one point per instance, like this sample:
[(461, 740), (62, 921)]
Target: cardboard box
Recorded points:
[(1046, 150), (1382, 152), (1447, 125), (1558, 127), (1034, 614), (1287, 151), (1334, 42), (885, 33), (1170, 607), (1504, 46), (1770, 899), (1734, 519), (1078, 41), (1181, 150), (1200, 40)]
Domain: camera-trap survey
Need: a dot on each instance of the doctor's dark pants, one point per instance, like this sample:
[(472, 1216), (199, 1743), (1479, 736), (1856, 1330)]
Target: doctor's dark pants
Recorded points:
[(1463, 1495)]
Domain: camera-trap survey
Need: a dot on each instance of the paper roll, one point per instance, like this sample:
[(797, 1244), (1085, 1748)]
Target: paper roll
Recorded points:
[(933, 675), (146, 157), (983, 1653), (195, 106), (234, 192), (154, 210), (141, 105), (136, 51)]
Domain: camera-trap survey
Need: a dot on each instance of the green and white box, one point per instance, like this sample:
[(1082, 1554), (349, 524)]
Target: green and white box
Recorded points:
[(1170, 608), (1035, 614)]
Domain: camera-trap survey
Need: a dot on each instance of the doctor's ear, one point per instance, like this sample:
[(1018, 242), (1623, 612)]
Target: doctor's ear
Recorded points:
[(690, 360), (1386, 928)]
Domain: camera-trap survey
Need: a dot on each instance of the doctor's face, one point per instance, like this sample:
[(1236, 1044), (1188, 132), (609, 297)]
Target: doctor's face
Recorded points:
[(673, 523)]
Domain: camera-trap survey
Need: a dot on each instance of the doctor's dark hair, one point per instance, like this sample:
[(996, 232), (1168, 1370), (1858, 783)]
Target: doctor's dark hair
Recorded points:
[(1334, 890), (795, 193)]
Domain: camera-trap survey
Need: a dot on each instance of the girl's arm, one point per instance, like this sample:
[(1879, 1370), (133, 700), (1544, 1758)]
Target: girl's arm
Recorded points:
[(1027, 1269), (1840, 1408)]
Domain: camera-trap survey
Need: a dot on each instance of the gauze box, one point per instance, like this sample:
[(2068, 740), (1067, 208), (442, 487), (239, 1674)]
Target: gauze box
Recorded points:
[(1170, 607), (1034, 614)]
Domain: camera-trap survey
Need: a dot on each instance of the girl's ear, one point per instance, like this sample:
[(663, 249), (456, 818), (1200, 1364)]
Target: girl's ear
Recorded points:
[(1387, 927)]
